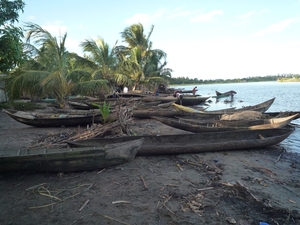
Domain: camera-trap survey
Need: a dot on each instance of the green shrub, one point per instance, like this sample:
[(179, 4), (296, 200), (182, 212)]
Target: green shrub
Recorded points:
[(104, 110)]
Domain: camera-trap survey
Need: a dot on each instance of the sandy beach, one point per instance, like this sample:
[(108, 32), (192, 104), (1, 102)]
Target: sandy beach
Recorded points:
[(232, 187)]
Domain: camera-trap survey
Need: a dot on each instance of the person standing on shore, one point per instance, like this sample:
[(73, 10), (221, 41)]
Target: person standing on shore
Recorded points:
[(194, 90)]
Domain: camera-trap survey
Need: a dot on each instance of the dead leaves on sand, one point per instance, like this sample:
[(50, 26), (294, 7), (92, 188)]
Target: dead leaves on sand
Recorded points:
[(56, 196), (119, 127), (237, 194)]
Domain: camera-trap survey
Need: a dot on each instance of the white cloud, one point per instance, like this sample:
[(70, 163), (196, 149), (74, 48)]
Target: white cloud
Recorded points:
[(145, 19), (179, 14), (248, 14), (55, 28), (207, 17), (73, 45), (276, 27), (253, 13)]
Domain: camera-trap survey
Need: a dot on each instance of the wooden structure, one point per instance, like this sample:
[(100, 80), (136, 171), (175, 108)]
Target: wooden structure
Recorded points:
[(70, 159), (199, 142)]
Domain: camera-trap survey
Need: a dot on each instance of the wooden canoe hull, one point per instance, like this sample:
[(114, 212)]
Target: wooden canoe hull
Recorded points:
[(69, 159), (214, 127), (199, 142), (146, 114), (225, 94), (55, 121), (261, 107), (191, 100), (280, 121)]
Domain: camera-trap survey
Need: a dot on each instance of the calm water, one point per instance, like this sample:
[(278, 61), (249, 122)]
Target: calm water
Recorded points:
[(286, 99)]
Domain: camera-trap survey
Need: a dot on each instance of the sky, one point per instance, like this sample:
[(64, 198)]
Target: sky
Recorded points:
[(203, 39)]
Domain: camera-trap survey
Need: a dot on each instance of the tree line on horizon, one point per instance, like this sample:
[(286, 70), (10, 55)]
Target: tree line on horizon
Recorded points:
[(279, 77)]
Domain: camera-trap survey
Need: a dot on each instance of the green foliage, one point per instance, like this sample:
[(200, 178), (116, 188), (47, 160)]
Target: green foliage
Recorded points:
[(23, 106), (11, 51), (9, 10), (138, 60), (104, 110)]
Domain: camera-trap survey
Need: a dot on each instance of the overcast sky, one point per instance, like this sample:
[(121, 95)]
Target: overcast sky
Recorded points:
[(203, 39)]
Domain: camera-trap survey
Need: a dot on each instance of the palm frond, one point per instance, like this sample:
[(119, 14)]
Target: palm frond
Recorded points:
[(90, 87)]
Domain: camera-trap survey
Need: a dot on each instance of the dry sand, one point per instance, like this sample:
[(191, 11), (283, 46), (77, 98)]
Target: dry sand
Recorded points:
[(233, 187)]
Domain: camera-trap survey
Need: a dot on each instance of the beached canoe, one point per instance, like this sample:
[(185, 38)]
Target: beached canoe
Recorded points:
[(70, 159), (222, 125), (274, 122), (146, 114), (198, 142), (81, 105), (54, 119), (191, 100), (261, 107)]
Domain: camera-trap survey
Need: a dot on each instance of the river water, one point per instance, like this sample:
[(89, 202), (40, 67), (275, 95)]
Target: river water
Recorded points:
[(286, 99)]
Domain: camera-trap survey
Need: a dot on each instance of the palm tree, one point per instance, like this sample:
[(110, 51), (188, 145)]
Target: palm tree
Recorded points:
[(51, 70), (101, 58), (46, 72), (139, 60)]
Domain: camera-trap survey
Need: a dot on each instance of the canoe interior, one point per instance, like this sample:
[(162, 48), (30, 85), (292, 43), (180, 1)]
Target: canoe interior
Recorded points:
[(54, 119), (199, 142)]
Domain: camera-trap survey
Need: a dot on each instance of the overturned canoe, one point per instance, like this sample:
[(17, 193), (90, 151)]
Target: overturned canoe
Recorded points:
[(70, 159), (199, 142)]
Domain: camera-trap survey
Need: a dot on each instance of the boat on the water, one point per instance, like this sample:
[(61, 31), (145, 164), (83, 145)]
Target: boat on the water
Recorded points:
[(198, 142), (224, 94), (54, 119), (199, 127), (70, 159)]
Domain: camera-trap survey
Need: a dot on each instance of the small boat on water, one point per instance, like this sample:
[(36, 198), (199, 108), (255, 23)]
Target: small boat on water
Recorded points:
[(53, 119), (70, 159), (225, 94), (223, 125), (198, 142)]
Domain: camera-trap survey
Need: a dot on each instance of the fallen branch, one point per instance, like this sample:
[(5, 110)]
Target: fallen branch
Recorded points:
[(84, 204), (145, 185), (120, 202)]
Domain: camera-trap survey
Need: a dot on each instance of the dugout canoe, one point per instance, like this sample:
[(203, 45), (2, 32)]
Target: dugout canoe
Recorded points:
[(191, 100), (146, 114), (198, 142), (261, 107), (224, 94), (38, 119), (222, 125), (275, 122), (70, 159)]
